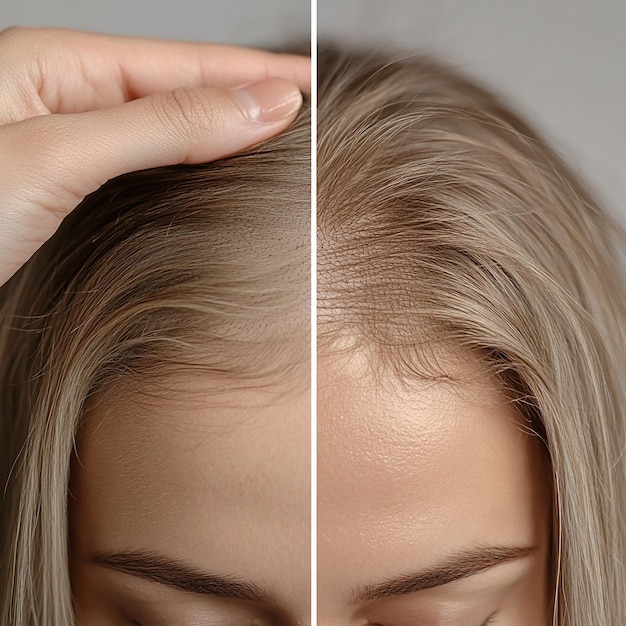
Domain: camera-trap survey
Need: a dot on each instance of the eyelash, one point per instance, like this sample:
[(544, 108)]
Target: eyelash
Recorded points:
[(489, 620)]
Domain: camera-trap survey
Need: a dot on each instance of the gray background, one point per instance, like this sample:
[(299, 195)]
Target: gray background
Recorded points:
[(561, 63), (261, 22)]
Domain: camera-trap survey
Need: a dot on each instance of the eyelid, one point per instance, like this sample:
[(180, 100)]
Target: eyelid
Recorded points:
[(468, 606)]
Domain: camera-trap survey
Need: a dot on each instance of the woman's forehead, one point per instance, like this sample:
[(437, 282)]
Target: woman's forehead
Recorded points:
[(407, 475), (220, 481)]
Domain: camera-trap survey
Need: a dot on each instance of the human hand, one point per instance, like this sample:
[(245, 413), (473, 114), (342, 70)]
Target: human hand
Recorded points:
[(77, 109)]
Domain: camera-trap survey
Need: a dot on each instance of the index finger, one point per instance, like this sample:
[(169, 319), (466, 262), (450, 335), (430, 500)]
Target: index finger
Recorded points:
[(85, 71)]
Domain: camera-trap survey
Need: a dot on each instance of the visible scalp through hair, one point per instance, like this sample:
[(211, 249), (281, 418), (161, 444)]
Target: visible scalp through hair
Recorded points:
[(444, 220)]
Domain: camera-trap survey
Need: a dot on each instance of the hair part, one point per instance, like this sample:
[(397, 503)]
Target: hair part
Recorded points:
[(186, 269), (445, 221)]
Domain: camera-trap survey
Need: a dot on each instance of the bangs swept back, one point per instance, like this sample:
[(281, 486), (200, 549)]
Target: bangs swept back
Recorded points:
[(445, 221), (173, 270)]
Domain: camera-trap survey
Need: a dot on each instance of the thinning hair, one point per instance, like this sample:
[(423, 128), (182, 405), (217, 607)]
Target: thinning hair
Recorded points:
[(179, 269), (444, 220)]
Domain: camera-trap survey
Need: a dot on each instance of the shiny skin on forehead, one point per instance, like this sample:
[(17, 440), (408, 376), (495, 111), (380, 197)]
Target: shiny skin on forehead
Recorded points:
[(409, 475), (221, 481)]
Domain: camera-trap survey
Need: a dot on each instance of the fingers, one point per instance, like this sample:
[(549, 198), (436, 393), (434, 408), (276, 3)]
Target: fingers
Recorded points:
[(55, 160), (74, 71)]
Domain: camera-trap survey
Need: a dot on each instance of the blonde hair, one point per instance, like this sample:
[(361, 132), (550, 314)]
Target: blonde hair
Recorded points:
[(191, 268), (444, 219)]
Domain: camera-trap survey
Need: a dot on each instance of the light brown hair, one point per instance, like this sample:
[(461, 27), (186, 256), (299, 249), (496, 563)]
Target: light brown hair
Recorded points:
[(444, 220), (189, 268)]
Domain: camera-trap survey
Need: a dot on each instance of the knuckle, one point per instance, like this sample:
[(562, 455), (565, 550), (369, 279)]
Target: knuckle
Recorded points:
[(12, 31), (17, 35), (28, 41), (23, 47), (188, 111), (185, 106), (13, 35)]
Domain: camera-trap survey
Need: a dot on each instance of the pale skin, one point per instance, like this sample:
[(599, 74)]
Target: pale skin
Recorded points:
[(77, 109), (434, 507), (208, 488), (434, 503)]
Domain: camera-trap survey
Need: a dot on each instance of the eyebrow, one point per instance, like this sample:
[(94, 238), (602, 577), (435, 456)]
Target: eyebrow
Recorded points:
[(461, 565), (180, 575)]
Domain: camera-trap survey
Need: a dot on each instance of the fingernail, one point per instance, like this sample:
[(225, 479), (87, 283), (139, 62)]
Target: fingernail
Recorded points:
[(269, 101)]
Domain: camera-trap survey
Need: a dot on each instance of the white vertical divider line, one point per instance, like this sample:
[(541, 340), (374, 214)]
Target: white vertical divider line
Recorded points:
[(313, 312)]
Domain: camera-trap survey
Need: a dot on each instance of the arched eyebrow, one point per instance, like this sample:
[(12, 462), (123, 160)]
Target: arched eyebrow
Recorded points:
[(180, 575), (460, 565)]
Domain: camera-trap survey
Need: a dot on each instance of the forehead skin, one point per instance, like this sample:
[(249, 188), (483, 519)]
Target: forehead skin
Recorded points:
[(220, 481), (408, 477)]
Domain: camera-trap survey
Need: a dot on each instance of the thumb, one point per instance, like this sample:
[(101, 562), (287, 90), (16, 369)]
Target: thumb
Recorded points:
[(50, 162)]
